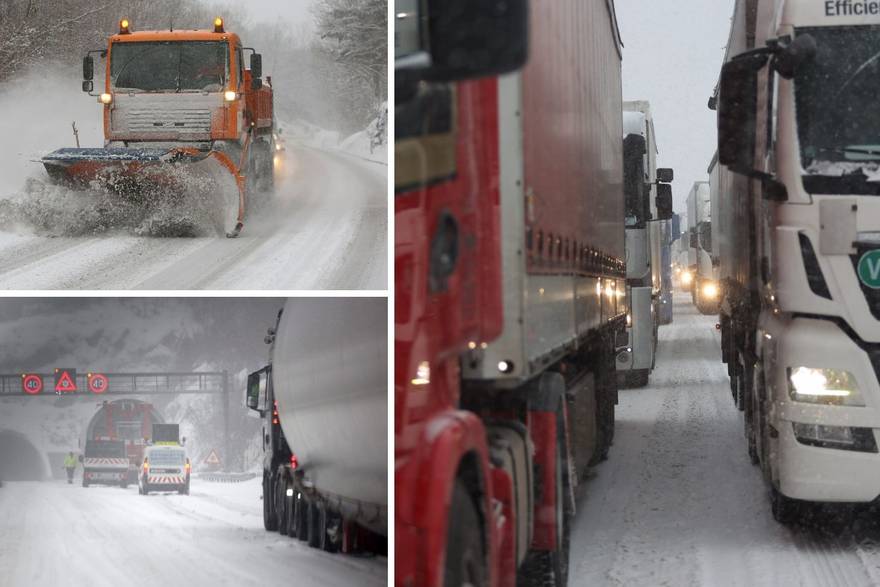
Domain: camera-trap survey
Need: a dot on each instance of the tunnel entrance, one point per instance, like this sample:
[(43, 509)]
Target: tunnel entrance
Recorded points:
[(19, 459)]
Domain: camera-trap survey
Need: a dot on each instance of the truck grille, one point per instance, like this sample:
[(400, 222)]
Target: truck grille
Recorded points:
[(156, 120)]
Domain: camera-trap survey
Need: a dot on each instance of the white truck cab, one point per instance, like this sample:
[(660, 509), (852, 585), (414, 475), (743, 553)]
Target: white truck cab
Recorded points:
[(797, 117), (165, 468)]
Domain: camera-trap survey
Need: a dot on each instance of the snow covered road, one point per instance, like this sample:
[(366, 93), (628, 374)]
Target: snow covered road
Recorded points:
[(53, 533), (326, 228), (678, 502)]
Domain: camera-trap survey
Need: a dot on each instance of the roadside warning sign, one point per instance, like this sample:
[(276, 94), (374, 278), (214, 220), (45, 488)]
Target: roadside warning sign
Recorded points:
[(31, 383), (97, 382), (212, 458), (65, 380)]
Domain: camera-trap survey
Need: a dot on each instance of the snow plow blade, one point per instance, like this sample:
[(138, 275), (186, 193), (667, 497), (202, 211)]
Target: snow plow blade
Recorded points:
[(150, 172)]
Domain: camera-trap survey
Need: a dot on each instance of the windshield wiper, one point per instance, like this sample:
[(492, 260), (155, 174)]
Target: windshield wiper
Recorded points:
[(853, 150)]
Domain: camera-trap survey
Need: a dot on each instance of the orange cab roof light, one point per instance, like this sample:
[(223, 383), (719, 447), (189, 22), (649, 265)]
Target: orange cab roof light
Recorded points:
[(218, 25), (124, 27)]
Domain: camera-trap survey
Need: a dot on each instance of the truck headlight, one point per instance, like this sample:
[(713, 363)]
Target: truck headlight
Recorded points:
[(106, 98), (824, 386), (230, 96), (710, 290), (686, 277)]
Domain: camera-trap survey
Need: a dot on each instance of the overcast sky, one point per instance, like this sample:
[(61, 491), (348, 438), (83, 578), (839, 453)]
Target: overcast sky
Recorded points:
[(672, 56), (296, 12)]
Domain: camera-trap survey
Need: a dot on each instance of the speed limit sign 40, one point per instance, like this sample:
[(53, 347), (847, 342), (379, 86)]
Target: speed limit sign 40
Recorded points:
[(97, 382), (31, 383)]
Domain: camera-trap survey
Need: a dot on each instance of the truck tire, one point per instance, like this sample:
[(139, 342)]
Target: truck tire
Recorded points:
[(270, 519), (280, 504), (302, 519), (785, 510), (550, 568), (315, 524), (605, 372), (465, 550), (332, 531), (290, 521)]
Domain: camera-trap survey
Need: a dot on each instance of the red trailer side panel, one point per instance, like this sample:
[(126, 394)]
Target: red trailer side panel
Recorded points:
[(572, 117)]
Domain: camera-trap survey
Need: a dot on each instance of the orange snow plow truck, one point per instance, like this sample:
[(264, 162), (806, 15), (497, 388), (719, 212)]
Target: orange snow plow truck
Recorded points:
[(183, 118)]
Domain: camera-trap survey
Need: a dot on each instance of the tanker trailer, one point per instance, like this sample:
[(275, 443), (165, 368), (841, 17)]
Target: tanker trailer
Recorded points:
[(323, 400)]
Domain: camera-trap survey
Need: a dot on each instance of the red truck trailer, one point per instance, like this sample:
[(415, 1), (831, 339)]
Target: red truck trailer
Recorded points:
[(509, 282), (127, 420)]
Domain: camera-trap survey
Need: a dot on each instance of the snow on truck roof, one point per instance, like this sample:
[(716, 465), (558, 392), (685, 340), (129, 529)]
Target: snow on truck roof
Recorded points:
[(633, 123)]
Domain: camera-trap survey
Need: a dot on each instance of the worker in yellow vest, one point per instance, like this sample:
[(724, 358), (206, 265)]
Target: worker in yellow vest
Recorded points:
[(70, 465)]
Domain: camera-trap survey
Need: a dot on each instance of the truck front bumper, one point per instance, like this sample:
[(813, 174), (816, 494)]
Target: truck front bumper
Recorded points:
[(804, 468)]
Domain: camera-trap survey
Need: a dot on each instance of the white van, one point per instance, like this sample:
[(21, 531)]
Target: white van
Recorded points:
[(165, 468)]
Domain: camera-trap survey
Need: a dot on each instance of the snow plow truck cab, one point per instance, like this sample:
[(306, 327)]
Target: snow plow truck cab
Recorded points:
[(181, 114)]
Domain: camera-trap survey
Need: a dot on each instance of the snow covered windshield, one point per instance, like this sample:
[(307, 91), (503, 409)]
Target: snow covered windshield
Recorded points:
[(169, 66), (166, 458), (838, 123)]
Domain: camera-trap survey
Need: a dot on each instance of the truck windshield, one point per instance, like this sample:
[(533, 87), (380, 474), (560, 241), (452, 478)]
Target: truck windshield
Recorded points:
[(105, 450), (835, 97), (169, 66)]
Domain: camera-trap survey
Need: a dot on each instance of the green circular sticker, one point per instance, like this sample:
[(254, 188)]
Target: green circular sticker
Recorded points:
[(869, 269)]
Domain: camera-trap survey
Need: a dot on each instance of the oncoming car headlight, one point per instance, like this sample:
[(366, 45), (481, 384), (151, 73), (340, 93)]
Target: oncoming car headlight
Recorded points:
[(824, 386)]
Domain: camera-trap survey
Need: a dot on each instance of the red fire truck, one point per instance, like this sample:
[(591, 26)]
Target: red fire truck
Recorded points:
[(510, 302), (127, 420)]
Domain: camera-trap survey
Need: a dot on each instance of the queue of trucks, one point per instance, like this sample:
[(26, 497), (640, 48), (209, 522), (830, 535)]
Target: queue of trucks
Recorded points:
[(797, 232), (513, 295)]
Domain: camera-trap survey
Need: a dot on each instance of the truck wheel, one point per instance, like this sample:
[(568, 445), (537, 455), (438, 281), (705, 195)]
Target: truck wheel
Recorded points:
[(785, 510), (332, 531), (465, 551), (550, 569), (85, 482), (302, 518), (315, 524), (270, 519), (280, 504), (290, 520), (606, 397)]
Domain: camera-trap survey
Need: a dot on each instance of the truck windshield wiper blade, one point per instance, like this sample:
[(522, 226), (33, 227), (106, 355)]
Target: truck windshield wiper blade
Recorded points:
[(854, 150)]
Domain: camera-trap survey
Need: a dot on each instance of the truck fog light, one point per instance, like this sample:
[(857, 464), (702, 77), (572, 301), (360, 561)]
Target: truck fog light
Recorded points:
[(505, 366), (230, 96), (106, 98), (824, 386), (839, 437)]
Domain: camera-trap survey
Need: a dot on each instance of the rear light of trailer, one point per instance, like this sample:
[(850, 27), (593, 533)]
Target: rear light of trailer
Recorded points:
[(294, 463)]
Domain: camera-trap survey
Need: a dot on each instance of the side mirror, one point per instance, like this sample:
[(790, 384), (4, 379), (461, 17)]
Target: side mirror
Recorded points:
[(253, 390), (789, 60), (665, 175), (737, 112), (88, 68), (473, 38), (88, 86), (256, 66), (664, 201)]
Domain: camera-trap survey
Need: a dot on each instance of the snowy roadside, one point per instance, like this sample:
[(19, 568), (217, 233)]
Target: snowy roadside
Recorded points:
[(357, 145)]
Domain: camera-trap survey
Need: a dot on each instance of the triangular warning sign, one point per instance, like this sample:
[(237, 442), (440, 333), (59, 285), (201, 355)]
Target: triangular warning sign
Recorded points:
[(212, 459), (65, 380)]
